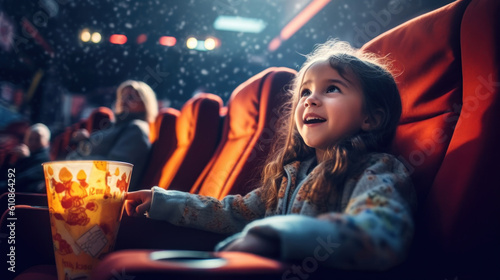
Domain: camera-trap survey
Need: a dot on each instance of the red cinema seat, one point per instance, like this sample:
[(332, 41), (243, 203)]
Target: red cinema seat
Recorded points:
[(155, 127), (247, 133), (198, 131), (448, 137), (162, 148), (100, 118)]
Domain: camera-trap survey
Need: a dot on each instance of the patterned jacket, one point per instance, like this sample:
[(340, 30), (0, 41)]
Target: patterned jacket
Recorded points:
[(368, 226)]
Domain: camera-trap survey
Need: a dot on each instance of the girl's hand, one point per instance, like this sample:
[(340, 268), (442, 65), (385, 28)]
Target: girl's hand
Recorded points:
[(255, 244), (137, 203)]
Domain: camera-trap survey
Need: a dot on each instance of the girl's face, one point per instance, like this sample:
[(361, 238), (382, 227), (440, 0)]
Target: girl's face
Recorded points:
[(330, 107), (131, 101)]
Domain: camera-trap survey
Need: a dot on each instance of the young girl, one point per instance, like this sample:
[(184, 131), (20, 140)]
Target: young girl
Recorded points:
[(328, 190)]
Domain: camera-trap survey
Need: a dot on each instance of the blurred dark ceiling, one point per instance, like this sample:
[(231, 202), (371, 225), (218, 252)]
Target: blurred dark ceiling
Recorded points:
[(176, 72)]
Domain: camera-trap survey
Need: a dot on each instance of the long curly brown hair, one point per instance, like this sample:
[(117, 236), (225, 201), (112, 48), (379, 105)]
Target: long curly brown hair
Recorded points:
[(381, 96)]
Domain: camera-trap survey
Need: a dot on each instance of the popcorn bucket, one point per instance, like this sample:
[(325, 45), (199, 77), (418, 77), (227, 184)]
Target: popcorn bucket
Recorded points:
[(85, 201)]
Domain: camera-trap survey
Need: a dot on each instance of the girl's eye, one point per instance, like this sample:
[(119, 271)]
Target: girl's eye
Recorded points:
[(332, 89), (305, 92)]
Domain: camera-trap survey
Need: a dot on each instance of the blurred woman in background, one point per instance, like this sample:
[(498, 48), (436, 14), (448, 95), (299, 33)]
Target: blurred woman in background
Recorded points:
[(126, 140)]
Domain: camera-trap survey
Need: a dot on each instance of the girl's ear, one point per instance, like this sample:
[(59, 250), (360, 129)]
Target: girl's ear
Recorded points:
[(373, 121)]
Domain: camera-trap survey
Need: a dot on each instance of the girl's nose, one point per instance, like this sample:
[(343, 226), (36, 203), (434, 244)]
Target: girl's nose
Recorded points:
[(311, 100)]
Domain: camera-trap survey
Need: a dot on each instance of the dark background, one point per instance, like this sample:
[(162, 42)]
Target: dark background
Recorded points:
[(71, 70)]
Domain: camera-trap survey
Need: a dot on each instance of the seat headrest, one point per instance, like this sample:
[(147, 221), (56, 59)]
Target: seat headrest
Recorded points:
[(250, 101), (194, 114), (165, 122), (100, 118)]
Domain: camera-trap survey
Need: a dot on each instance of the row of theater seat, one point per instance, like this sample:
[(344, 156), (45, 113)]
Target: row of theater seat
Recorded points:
[(218, 150), (205, 147), (181, 159)]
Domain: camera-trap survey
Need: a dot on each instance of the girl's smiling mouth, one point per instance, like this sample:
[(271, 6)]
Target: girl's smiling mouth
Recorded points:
[(313, 119)]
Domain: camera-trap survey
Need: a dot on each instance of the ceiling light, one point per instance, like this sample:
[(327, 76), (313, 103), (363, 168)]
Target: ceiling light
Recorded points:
[(85, 35), (297, 22), (210, 44), (141, 39), (191, 43), (239, 24), (96, 37), (118, 39), (168, 41)]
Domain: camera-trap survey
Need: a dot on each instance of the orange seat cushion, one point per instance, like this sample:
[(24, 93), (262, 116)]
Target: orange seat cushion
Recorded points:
[(162, 148), (197, 130)]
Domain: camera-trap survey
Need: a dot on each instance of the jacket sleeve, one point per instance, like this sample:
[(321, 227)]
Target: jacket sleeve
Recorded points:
[(373, 233), (228, 215)]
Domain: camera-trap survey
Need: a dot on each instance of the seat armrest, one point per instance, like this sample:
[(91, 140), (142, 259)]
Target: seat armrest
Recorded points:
[(150, 264)]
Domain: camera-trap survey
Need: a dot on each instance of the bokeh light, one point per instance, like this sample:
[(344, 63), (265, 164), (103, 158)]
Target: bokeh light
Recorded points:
[(191, 43), (96, 37), (141, 39), (168, 41), (210, 44), (85, 35), (118, 39)]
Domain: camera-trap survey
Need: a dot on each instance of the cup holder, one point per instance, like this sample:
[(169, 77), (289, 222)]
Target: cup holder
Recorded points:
[(189, 259)]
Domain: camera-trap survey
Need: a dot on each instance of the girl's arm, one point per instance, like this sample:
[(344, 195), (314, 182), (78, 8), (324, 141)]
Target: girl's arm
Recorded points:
[(374, 232), (229, 215)]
